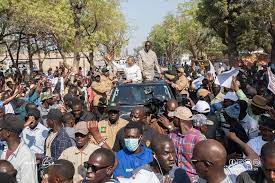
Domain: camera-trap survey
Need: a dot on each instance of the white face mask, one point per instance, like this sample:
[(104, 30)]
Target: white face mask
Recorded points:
[(131, 144)]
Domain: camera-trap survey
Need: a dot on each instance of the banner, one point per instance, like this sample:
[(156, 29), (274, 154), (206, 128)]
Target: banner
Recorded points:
[(197, 83)]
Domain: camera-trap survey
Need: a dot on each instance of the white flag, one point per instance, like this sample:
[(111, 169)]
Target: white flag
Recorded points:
[(212, 69), (197, 83), (271, 80), (225, 79)]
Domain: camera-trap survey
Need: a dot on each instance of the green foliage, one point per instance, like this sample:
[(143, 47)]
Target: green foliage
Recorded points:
[(50, 25), (246, 24), (165, 38), (176, 35)]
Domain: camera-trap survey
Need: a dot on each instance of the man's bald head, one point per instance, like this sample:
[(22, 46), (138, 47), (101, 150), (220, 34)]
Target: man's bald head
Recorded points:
[(209, 158), (6, 167), (171, 105), (104, 161), (103, 156), (268, 149), (211, 150), (61, 170)]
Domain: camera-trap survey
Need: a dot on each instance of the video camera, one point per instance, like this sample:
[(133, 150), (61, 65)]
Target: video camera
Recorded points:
[(156, 106)]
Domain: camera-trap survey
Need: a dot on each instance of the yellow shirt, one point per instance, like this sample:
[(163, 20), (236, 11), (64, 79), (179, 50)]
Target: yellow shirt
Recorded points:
[(181, 84), (77, 157), (109, 130)]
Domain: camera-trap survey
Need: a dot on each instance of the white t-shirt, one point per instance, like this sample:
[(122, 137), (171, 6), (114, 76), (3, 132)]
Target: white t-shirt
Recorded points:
[(256, 144), (23, 160), (232, 171), (132, 73), (143, 176), (250, 126)]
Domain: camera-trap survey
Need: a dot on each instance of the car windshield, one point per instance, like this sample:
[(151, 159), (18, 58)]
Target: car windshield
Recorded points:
[(139, 94)]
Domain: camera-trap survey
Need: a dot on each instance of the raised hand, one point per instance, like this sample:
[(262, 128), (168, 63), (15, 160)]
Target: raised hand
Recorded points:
[(235, 84), (93, 129)]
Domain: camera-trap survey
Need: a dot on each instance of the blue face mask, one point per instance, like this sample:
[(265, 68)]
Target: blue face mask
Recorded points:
[(131, 144)]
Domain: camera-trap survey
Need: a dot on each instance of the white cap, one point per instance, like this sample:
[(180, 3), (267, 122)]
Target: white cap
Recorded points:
[(201, 107), (231, 96)]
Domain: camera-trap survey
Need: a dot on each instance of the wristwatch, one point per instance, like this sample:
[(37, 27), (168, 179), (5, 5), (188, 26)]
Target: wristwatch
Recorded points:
[(170, 127), (102, 142)]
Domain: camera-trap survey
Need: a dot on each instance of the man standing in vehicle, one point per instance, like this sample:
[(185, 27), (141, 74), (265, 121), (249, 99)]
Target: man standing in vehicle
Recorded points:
[(148, 62), (131, 70)]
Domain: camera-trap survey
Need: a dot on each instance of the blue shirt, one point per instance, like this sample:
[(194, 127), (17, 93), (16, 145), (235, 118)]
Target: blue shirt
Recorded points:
[(127, 161), (1, 103), (35, 138)]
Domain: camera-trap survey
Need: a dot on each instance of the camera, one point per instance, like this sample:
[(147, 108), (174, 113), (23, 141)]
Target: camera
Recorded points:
[(156, 106)]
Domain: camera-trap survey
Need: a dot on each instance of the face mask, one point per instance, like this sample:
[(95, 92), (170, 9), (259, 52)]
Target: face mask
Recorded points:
[(131, 144)]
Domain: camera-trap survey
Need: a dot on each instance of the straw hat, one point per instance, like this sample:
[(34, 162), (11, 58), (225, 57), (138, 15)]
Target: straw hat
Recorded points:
[(259, 102)]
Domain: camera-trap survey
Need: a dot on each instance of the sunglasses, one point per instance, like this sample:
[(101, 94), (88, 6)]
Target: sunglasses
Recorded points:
[(94, 168), (207, 163)]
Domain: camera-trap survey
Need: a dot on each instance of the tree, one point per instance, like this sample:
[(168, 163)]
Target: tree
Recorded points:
[(177, 35), (193, 36), (242, 25), (165, 38), (259, 26), (108, 31), (29, 26), (64, 26), (220, 16), (77, 7)]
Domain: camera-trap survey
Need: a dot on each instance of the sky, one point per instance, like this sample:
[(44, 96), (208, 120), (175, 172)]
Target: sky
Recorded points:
[(142, 15)]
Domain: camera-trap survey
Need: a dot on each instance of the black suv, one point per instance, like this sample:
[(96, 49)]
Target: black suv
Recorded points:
[(129, 96)]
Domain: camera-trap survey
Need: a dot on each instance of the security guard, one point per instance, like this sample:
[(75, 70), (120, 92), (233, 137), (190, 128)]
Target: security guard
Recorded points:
[(110, 127), (180, 83), (101, 86)]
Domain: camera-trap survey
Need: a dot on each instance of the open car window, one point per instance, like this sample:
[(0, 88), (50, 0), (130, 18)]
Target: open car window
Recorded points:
[(139, 94)]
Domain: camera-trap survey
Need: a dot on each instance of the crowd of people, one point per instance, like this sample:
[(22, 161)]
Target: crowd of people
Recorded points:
[(58, 126)]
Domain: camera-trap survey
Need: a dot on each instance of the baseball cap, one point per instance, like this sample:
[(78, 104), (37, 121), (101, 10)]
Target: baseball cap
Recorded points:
[(182, 113), (203, 93), (180, 69), (231, 96), (113, 107), (102, 102), (201, 107), (170, 74), (200, 120), (45, 96), (12, 123), (54, 114), (81, 127)]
